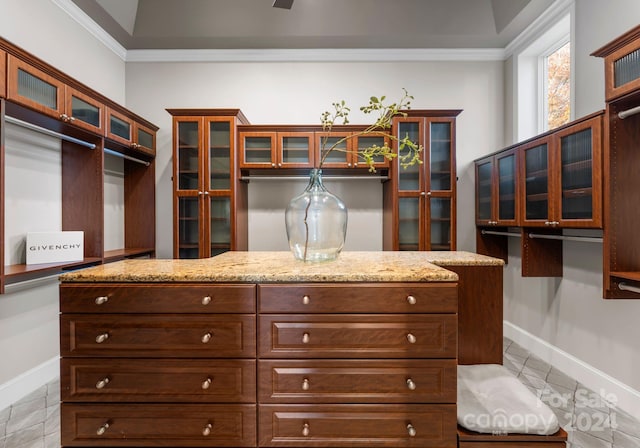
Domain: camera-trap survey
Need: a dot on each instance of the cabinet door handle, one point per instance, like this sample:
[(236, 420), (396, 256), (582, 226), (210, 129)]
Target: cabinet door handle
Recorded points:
[(411, 430), (428, 193), (306, 299), (101, 430), (305, 384), (207, 429), (206, 300), (306, 430), (206, 383), (102, 337), (411, 338), (411, 384), (422, 193), (206, 338), (411, 300), (101, 300), (102, 383), (305, 338)]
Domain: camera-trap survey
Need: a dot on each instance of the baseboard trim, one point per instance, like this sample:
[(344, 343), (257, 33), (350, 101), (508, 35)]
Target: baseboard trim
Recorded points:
[(628, 399), (22, 385)]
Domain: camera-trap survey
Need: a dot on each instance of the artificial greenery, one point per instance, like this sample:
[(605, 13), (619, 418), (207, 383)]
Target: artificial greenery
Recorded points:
[(408, 151)]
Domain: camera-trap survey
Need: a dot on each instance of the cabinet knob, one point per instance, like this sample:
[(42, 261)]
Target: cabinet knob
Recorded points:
[(305, 338), (206, 338), (411, 300), (547, 223), (422, 193), (411, 338), (102, 337), (411, 384), (206, 300), (411, 430), (64, 117), (306, 300), (72, 119), (206, 383), (101, 430), (305, 384), (428, 193), (279, 165), (273, 165), (306, 430), (207, 429), (101, 300), (102, 383)]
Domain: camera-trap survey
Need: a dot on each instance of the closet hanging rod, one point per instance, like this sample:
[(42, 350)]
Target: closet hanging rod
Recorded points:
[(495, 232), (326, 178), (582, 239), (124, 156), (624, 287), (42, 130), (627, 113)]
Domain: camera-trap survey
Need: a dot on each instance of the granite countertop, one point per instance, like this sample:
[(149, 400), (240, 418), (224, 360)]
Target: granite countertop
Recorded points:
[(281, 267)]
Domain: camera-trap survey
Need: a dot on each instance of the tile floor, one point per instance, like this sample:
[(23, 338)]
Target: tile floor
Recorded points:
[(34, 421)]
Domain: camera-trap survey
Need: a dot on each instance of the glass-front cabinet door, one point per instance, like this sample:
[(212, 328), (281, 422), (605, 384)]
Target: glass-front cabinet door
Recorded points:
[(410, 227), (338, 157), (579, 201), (258, 149), (440, 155), (506, 189), (29, 86), (295, 150), (84, 111), (217, 190), (484, 192), (535, 174), (440, 224), (410, 178)]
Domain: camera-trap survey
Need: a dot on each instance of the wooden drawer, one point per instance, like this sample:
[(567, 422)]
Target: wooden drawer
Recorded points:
[(158, 380), (150, 336), (358, 298), (358, 336), (358, 425), (158, 425), (160, 298), (357, 381)]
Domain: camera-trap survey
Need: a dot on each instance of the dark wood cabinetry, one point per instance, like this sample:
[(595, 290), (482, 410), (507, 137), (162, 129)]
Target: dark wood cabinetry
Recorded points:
[(209, 200), (422, 198), (188, 365), (275, 147), (41, 98), (621, 263), (541, 186)]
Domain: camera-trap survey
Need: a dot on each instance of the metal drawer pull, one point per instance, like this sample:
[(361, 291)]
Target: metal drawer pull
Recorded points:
[(410, 384), (305, 338), (103, 382), (101, 430), (206, 338), (101, 300), (306, 430), (411, 300), (305, 384), (306, 299), (206, 383), (411, 338), (207, 429), (102, 337), (411, 430), (206, 300)]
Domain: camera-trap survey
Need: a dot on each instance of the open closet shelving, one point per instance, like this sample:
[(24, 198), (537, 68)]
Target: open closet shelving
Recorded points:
[(39, 97)]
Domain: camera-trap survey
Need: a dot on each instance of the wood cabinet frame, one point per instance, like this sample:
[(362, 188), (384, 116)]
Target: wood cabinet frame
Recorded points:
[(3, 73), (14, 65)]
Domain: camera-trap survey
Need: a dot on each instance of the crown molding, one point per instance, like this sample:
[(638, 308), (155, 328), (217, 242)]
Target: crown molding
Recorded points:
[(92, 27), (548, 18), (318, 55)]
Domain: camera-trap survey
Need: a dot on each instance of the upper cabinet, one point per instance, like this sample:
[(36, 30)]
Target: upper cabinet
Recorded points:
[(349, 148), (496, 193), (129, 132), (264, 147), (621, 260), (3, 74)]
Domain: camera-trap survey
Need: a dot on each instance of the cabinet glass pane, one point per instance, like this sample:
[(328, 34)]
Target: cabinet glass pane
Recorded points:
[(576, 158), (145, 138), (409, 223), (295, 150), (119, 127), (627, 68), (339, 154), (484, 191), (368, 142), (37, 90), (188, 223), (507, 188), (257, 149), (409, 178), (219, 155), (440, 223), (188, 155), (220, 225), (440, 156), (83, 111), (536, 184)]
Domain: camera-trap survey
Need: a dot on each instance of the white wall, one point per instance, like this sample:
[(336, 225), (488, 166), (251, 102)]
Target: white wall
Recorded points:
[(569, 312), (297, 93), (29, 342)]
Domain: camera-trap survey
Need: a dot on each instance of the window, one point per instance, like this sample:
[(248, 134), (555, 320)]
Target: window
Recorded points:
[(557, 87)]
